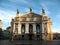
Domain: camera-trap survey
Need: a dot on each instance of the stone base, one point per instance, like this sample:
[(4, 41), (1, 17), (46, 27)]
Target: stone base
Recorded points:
[(27, 37)]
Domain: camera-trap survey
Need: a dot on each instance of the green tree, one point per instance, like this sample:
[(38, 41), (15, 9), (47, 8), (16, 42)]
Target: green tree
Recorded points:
[(1, 33)]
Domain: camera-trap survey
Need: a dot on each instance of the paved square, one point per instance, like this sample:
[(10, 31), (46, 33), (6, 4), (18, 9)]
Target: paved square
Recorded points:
[(31, 42)]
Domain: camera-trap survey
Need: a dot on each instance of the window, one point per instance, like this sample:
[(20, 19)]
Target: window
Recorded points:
[(38, 28), (30, 28), (23, 28)]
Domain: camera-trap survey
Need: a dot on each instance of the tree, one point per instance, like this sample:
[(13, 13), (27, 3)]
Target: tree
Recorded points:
[(0, 33)]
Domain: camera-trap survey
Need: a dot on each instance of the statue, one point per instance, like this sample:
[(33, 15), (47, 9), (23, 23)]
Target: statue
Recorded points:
[(17, 11), (30, 9), (43, 11)]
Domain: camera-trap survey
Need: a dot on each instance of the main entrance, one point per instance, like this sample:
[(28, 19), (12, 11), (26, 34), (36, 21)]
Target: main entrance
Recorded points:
[(30, 37), (30, 31)]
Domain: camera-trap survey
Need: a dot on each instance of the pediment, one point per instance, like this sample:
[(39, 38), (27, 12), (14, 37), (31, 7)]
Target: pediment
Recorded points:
[(29, 17), (31, 14)]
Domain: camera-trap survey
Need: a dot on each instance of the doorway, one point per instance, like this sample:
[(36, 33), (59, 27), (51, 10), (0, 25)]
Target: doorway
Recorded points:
[(38, 37), (22, 37), (30, 37)]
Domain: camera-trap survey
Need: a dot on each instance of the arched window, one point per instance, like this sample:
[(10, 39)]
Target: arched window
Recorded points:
[(30, 28), (38, 28), (23, 28)]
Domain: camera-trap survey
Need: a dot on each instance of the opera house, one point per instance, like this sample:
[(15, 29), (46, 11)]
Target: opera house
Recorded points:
[(32, 26)]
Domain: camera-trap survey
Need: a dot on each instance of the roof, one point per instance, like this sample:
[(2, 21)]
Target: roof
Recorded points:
[(30, 14)]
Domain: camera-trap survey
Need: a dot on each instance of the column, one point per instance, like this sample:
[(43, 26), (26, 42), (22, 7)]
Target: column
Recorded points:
[(45, 31), (34, 28), (27, 28), (34, 31), (43, 36), (14, 28), (19, 28)]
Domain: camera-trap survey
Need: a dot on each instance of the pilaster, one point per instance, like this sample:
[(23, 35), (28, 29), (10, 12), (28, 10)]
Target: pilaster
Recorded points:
[(34, 28), (19, 28), (14, 28), (27, 28)]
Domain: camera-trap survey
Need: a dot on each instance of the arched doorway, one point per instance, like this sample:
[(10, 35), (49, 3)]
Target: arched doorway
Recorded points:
[(23, 30), (38, 31), (30, 31)]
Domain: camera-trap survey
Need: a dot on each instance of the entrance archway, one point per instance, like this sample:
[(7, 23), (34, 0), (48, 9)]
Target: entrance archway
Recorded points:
[(38, 28), (38, 37), (22, 37), (30, 36), (38, 31), (30, 28), (23, 28), (30, 31)]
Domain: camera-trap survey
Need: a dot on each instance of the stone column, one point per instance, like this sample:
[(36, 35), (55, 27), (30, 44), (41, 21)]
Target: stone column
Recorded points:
[(27, 28), (42, 27), (19, 28), (13, 31), (45, 31), (14, 28), (40, 31), (49, 29), (34, 31), (34, 28), (43, 36)]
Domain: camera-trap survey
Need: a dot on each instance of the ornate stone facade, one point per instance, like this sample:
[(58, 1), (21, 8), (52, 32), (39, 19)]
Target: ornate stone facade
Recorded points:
[(32, 26)]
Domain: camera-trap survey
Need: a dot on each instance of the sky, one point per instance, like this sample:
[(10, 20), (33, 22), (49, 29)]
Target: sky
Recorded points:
[(8, 9)]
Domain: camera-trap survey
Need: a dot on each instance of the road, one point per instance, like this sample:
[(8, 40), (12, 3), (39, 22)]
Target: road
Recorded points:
[(31, 42)]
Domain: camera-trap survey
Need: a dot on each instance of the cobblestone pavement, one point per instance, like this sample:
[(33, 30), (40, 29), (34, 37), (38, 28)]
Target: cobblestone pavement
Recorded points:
[(31, 42)]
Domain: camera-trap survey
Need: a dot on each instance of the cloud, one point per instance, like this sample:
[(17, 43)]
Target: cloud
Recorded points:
[(8, 6), (48, 2), (6, 17), (46, 5), (56, 30), (21, 1), (26, 9), (55, 27), (13, 4), (49, 6)]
